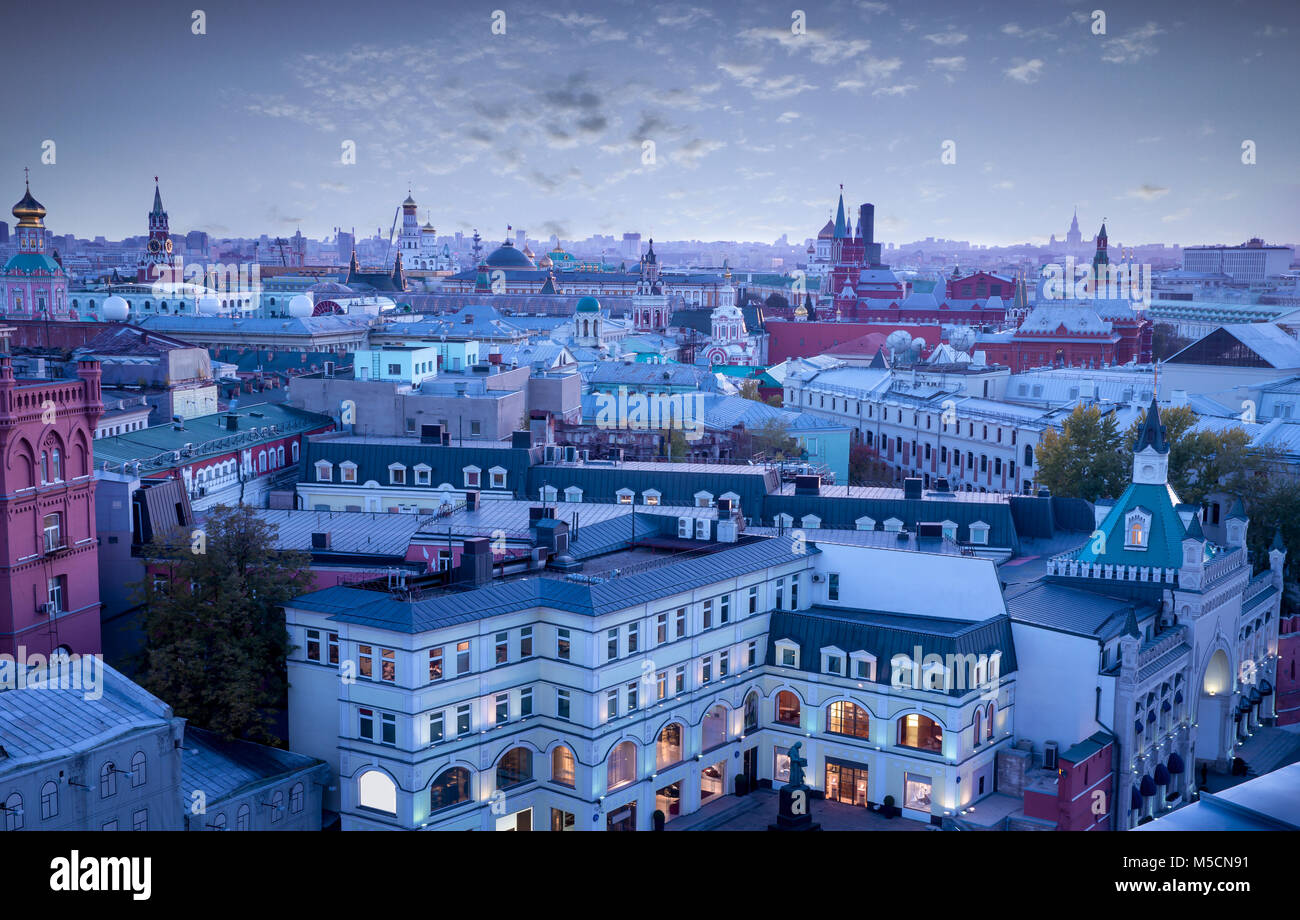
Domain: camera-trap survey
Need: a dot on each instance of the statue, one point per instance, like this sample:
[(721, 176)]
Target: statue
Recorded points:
[(797, 764)]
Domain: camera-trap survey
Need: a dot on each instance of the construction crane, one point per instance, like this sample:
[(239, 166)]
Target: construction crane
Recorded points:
[(280, 243), (397, 212)]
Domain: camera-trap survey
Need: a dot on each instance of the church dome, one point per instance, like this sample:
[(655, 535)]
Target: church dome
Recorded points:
[(588, 305), (507, 256), (828, 232), (29, 211)]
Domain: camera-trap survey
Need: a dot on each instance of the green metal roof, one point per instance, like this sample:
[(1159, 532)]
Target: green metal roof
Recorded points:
[(32, 263), (1164, 543)]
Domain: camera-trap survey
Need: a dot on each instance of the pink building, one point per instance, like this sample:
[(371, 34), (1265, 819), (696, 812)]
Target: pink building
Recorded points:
[(49, 573)]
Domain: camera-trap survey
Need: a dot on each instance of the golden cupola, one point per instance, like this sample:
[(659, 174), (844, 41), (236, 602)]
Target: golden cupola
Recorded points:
[(29, 212)]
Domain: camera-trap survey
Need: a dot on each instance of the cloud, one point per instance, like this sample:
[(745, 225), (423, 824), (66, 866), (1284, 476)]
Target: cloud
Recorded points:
[(689, 154), (1015, 30), (1176, 216), (1148, 192), (1272, 31), (821, 45), (948, 63), (1137, 44), (1003, 186), (1028, 72), (335, 187), (901, 89), (947, 39), (787, 117)]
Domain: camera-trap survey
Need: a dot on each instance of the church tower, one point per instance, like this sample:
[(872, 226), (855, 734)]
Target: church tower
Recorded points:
[(1101, 260), (409, 241), (158, 249)]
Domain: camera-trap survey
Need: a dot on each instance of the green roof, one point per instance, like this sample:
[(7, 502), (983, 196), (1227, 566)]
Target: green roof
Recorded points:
[(32, 263), (1165, 542)]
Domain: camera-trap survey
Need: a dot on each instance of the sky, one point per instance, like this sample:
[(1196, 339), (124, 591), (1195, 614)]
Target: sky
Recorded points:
[(754, 127)]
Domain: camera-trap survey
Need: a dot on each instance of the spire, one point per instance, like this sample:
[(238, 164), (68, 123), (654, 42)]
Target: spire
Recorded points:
[(157, 199), (1152, 435), (841, 228), (1278, 546)]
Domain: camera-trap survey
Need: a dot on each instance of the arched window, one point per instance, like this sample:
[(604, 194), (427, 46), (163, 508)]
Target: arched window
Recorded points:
[(241, 818), (515, 767), (139, 769), (295, 798), (921, 732), (751, 712), (787, 708), (847, 718), (988, 721), (450, 788), (978, 735), (376, 790), (562, 767), (621, 768), (14, 812), (219, 822), (277, 806), (107, 780), (668, 747), (49, 800), (56, 465), (714, 731)]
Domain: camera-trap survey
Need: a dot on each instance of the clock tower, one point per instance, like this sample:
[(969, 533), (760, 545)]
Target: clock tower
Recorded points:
[(158, 249)]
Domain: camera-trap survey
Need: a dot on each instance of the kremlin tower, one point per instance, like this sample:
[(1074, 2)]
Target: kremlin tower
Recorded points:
[(158, 250)]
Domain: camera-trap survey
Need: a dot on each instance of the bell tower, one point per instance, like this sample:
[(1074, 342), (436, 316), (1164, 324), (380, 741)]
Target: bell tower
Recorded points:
[(158, 248), (1151, 454)]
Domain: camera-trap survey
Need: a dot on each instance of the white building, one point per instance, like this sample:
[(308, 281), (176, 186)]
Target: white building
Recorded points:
[(1251, 262)]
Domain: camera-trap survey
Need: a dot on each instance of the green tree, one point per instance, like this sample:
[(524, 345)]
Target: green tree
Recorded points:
[(866, 467), (748, 389), (676, 444), (1083, 460), (1165, 341), (776, 301), (214, 623), (1273, 503), (1200, 462), (773, 440)]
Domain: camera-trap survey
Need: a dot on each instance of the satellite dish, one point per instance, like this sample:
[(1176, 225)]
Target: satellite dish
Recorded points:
[(898, 341), (918, 345), (962, 338), (116, 309), (301, 305)]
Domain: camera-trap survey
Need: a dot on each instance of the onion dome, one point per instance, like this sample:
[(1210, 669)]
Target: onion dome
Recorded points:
[(29, 211), (827, 232), (409, 202), (588, 305)]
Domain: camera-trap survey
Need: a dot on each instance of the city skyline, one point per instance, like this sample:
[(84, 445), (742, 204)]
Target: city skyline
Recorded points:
[(754, 126)]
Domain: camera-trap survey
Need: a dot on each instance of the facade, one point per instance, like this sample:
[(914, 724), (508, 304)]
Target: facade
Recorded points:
[(1252, 262), (590, 703), (49, 583)]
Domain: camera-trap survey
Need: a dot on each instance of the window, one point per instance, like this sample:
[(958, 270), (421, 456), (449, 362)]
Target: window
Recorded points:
[(661, 628), (107, 780), (365, 661), (661, 684), (631, 696), (708, 614), (751, 654), (916, 791), (621, 768), (706, 669), (846, 718), (833, 661), (979, 533), (348, 471), (498, 476), (833, 586), (921, 732), (562, 704), (463, 719), (562, 644), (562, 767), (787, 653), (625, 496), (724, 663), (679, 679), (422, 475), (14, 812), (611, 704), (435, 727), (525, 702), (502, 647), (668, 746), (714, 731), (502, 708), (332, 647), (562, 820), (611, 644), (650, 497), (516, 767), (863, 665), (295, 798), (450, 788), (324, 472), (435, 664), (49, 801), (471, 477), (462, 658), (313, 645), (753, 600), (1137, 528), (243, 815), (397, 475), (388, 665), (53, 532), (681, 622), (573, 494), (139, 770), (140, 820), (633, 637), (751, 712)]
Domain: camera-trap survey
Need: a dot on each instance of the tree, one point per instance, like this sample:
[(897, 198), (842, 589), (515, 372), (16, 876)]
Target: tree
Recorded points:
[(777, 301), (676, 444), (773, 440), (1084, 460), (214, 622), (1199, 461), (1165, 341), (748, 389), (1272, 502), (866, 467)]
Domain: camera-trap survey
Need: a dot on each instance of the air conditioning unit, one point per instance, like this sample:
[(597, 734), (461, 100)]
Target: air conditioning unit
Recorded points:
[(47, 608), (818, 579), (1049, 755)]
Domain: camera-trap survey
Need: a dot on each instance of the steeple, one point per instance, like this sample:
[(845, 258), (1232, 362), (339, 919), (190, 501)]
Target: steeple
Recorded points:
[(1101, 258), (1151, 453), (157, 201), (841, 225)]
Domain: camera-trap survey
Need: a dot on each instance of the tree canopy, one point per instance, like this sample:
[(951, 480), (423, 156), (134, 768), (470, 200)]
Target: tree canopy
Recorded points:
[(214, 622)]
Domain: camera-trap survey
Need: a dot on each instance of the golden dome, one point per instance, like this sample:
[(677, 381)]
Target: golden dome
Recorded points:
[(29, 211)]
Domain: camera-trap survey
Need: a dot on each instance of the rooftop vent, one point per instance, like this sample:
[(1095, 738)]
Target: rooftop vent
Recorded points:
[(807, 485), (912, 488), (320, 541)]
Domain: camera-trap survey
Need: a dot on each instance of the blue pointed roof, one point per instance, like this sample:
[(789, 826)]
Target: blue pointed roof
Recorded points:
[(1277, 541), (1164, 540), (841, 226)]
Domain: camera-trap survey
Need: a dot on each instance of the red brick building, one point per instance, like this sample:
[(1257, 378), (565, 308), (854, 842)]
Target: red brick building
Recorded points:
[(1085, 788)]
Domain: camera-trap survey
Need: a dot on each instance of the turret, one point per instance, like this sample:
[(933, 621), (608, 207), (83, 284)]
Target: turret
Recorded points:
[(1192, 572), (1277, 559), (1151, 453), (1237, 524)]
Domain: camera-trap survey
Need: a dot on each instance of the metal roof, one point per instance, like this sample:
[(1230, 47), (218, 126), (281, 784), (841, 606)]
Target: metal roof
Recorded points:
[(224, 768), (353, 532), (1072, 610)]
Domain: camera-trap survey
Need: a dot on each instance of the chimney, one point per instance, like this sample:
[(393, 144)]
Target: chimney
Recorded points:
[(472, 500), (521, 439), (912, 488), (807, 485), (232, 422), (475, 562)]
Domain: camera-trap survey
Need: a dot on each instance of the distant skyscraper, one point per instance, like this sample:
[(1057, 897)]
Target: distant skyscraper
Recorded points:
[(1074, 237), (4, 232)]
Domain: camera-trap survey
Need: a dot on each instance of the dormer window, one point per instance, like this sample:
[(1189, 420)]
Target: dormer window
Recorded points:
[(833, 661), (422, 472), (787, 653), (625, 496), (472, 476), (863, 665), (1137, 529), (498, 475), (348, 471), (548, 493), (650, 497), (893, 525), (811, 521), (979, 533), (573, 494), (865, 523), (324, 471), (703, 499), (397, 474)]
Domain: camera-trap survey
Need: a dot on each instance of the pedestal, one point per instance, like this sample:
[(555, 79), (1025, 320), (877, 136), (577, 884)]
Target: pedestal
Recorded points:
[(795, 811)]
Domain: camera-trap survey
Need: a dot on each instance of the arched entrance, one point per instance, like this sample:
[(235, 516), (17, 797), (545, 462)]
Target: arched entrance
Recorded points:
[(1213, 708)]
